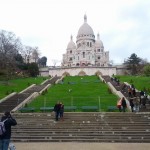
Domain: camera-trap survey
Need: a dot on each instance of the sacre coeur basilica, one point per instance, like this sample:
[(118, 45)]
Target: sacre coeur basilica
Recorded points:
[(85, 57)]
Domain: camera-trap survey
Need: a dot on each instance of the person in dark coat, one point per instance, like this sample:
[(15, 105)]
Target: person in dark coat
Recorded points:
[(61, 111), (124, 104), (57, 110), (132, 104), (5, 138)]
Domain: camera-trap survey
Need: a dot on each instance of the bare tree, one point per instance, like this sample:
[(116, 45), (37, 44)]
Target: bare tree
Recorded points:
[(35, 54), (55, 62), (27, 52), (10, 46), (30, 54)]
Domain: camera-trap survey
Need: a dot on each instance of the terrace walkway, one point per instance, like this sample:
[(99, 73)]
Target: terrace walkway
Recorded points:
[(82, 146), (10, 103)]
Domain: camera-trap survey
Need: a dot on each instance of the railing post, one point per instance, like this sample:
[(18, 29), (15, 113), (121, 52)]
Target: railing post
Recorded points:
[(44, 103), (71, 100), (99, 100)]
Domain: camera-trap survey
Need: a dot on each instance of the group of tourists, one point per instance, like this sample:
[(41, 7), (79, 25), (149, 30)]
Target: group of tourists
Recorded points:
[(59, 111), (137, 100), (116, 80)]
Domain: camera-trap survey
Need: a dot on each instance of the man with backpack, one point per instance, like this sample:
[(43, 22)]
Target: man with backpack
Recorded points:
[(5, 136)]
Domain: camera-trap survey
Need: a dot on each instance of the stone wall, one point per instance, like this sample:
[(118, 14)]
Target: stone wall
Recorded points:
[(73, 71), (117, 70)]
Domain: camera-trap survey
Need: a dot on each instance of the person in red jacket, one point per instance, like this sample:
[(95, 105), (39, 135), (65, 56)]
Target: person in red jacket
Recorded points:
[(5, 138)]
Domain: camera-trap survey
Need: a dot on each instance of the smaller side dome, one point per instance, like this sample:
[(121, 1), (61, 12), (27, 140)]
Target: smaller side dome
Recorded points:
[(98, 43), (71, 44)]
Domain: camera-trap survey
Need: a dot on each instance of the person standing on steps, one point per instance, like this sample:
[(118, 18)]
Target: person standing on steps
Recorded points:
[(5, 138), (132, 104), (119, 105), (61, 111), (124, 104), (57, 110)]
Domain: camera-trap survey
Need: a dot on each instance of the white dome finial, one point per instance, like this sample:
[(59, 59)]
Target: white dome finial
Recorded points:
[(98, 36), (85, 18), (71, 37)]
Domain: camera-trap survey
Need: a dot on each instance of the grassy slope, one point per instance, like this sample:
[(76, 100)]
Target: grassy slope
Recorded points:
[(18, 85), (87, 90)]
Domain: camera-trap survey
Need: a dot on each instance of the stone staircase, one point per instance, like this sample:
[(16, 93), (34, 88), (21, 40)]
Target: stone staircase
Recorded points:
[(10, 103), (119, 86), (82, 127)]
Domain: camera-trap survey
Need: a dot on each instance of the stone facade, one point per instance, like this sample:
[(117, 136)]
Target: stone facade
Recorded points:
[(87, 51), (73, 71)]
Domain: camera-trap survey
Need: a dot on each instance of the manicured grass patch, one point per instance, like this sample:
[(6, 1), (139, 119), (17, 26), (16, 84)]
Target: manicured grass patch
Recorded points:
[(18, 85), (77, 91), (140, 82)]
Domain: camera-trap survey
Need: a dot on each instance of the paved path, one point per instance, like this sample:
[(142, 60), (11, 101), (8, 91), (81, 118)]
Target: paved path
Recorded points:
[(82, 146)]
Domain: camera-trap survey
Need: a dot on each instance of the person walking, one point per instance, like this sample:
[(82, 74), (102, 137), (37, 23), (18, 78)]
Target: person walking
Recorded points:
[(61, 111), (136, 104), (6, 136), (124, 104), (119, 104), (132, 104), (57, 110)]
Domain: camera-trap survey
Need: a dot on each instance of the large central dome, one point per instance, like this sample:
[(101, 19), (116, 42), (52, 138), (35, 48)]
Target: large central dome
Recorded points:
[(85, 30)]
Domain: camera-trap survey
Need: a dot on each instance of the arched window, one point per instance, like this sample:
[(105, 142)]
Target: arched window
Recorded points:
[(83, 54), (90, 44), (87, 43)]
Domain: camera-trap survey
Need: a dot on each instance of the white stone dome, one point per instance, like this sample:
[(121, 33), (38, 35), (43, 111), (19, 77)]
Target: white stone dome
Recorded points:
[(85, 30), (99, 43), (71, 44)]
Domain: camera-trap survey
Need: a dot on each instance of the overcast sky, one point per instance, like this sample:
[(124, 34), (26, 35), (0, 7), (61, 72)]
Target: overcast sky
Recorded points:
[(123, 25)]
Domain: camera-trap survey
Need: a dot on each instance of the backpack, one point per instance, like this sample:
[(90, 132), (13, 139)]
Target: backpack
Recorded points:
[(12, 146), (2, 127)]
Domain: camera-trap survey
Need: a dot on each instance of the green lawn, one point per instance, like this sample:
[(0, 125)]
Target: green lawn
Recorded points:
[(140, 82), (84, 91), (18, 85), (77, 91)]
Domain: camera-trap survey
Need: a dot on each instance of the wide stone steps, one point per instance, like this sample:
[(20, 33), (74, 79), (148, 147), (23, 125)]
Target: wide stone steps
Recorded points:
[(82, 139), (82, 127)]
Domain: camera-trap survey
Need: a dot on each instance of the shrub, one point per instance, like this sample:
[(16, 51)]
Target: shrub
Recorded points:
[(109, 91), (131, 81), (147, 70), (12, 91), (26, 105), (7, 93)]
